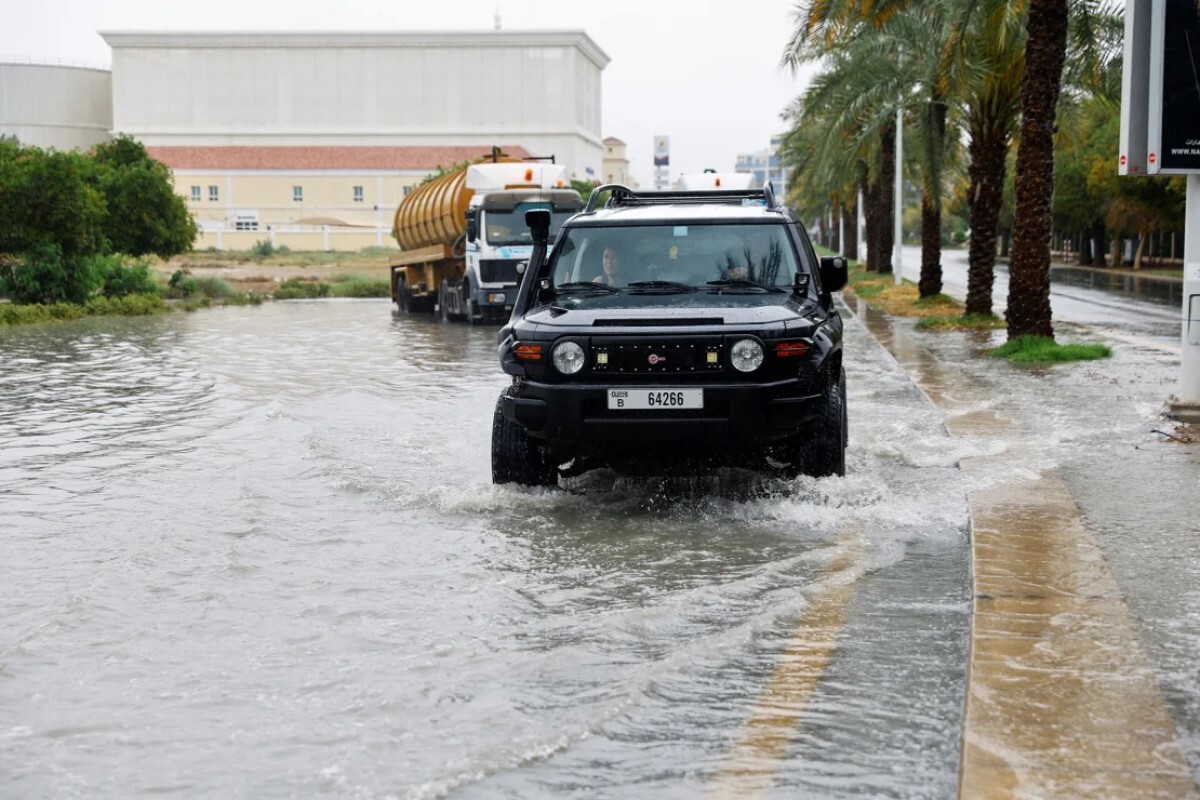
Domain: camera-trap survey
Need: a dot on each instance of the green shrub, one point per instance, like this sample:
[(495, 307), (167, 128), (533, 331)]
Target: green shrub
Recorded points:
[(215, 288), (182, 284), (263, 248), (283, 250), (134, 305), (120, 278), (360, 287), (1043, 349), (45, 276), (296, 289)]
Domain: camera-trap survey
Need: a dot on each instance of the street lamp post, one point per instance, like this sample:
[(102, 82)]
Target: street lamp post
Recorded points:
[(898, 252)]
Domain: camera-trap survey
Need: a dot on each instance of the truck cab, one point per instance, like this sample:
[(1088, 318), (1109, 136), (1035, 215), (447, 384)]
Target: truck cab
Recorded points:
[(497, 241)]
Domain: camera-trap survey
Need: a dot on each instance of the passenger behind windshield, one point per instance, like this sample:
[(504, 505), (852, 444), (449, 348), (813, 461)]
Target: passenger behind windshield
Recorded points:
[(694, 255)]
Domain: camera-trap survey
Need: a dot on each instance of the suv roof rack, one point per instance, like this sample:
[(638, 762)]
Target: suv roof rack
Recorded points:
[(624, 196)]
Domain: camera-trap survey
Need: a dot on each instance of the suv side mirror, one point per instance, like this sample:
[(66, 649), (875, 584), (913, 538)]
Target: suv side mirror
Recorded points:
[(472, 224), (833, 273), (538, 220)]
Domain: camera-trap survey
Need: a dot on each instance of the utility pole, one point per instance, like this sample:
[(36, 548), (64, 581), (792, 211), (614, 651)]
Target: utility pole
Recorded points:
[(898, 253)]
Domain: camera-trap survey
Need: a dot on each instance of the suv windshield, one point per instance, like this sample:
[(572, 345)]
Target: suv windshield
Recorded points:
[(692, 255), (508, 227)]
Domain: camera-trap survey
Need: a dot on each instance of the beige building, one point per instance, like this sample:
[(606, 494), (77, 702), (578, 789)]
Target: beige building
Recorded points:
[(616, 164), (307, 198)]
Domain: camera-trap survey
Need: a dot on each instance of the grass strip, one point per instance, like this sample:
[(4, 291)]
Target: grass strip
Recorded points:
[(961, 322), (1044, 350)]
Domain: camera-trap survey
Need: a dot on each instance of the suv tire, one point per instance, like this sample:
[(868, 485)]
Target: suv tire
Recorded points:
[(516, 458), (821, 450), (824, 452)]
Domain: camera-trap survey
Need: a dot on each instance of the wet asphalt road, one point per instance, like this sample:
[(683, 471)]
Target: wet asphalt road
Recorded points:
[(256, 553)]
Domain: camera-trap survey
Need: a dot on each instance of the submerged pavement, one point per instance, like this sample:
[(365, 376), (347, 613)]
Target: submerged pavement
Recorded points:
[(1062, 698)]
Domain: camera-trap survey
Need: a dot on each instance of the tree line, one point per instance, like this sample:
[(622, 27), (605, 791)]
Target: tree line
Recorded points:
[(1009, 111), (69, 220)]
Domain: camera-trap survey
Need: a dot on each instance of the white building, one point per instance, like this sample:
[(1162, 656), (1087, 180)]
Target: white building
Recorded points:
[(536, 89), (53, 105)]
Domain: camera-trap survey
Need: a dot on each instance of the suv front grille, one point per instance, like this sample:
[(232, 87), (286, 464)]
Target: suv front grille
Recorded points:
[(686, 357)]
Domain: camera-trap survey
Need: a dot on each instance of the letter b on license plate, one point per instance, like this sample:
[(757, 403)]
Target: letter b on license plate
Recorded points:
[(654, 399)]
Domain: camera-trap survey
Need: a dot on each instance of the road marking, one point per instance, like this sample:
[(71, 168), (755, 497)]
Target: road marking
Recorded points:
[(754, 759)]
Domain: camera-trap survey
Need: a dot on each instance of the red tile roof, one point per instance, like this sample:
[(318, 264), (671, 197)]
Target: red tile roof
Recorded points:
[(612, 140), (292, 158)]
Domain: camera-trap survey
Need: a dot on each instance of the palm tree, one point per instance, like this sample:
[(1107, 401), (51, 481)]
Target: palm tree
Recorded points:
[(1045, 54)]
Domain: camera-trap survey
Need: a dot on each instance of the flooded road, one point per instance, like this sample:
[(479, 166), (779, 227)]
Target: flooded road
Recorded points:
[(255, 552)]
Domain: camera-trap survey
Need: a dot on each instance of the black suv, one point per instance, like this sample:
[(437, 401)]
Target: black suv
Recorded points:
[(672, 331)]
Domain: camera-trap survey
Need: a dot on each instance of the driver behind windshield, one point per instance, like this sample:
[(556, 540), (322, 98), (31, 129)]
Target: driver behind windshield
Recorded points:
[(610, 263)]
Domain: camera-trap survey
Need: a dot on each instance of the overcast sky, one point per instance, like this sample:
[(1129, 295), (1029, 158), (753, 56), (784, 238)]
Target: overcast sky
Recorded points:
[(704, 73)]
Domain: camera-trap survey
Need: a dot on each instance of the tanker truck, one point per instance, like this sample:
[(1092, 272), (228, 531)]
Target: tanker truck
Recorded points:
[(463, 234)]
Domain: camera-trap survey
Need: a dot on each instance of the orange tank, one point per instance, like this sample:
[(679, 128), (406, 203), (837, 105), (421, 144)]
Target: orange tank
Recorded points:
[(435, 214)]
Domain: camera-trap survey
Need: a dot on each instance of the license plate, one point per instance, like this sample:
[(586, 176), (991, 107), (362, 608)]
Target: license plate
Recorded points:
[(654, 399)]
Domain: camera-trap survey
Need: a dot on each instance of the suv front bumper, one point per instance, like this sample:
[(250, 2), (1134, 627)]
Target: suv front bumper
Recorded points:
[(577, 415)]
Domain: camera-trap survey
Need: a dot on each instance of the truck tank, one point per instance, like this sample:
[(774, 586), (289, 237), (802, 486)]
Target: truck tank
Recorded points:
[(435, 214)]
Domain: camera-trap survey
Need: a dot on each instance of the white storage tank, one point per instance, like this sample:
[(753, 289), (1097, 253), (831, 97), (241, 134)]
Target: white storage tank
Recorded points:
[(55, 105)]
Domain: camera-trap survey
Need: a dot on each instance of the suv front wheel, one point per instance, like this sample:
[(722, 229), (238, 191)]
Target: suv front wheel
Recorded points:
[(821, 450), (516, 458)]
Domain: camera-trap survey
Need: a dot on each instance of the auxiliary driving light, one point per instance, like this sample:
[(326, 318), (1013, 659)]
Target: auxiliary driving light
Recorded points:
[(528, 352), (497, 298), (746, 355), (569, 357)]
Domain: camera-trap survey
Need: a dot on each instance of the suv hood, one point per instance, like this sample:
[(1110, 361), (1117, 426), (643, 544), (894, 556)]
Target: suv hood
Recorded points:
[(715, 310)]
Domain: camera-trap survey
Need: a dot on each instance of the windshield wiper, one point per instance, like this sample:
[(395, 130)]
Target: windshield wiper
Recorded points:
[(672, 286), (587, 286), (741, 283)]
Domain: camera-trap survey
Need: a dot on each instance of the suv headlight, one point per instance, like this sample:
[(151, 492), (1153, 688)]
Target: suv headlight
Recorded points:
[(746, 355), (569, 357)]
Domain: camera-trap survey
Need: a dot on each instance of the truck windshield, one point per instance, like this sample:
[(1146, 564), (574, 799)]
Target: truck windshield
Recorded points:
[(704, 256), (508, 227)]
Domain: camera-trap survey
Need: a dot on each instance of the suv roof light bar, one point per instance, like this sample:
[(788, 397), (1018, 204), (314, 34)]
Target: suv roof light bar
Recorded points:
[(624, 196)]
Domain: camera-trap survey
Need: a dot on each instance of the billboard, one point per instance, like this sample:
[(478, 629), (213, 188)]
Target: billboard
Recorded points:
[(662, 151), (1174, 129)]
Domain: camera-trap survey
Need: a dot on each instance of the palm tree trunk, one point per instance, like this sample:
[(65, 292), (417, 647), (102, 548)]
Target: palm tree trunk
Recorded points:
[(933, 145), (850, 223), (989, 152), (1029, 271), (886, 235), (931, 248)]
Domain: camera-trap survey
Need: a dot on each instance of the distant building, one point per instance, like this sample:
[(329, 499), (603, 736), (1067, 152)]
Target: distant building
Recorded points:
[(765, 166), (308, 198), (616, 164), (54, 105), (313, 130)]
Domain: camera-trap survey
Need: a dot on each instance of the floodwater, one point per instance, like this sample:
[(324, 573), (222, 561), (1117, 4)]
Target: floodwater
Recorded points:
[(255, 553)]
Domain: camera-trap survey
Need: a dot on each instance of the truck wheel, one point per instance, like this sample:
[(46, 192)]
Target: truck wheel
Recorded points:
[(473, 315), (443, 308), (516, 458), (402, 293)]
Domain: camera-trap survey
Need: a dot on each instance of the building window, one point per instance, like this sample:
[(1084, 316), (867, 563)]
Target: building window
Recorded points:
[(214, 194), (358, 194), (195, 194), (298, 194), (407, 189), (245, 224)]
